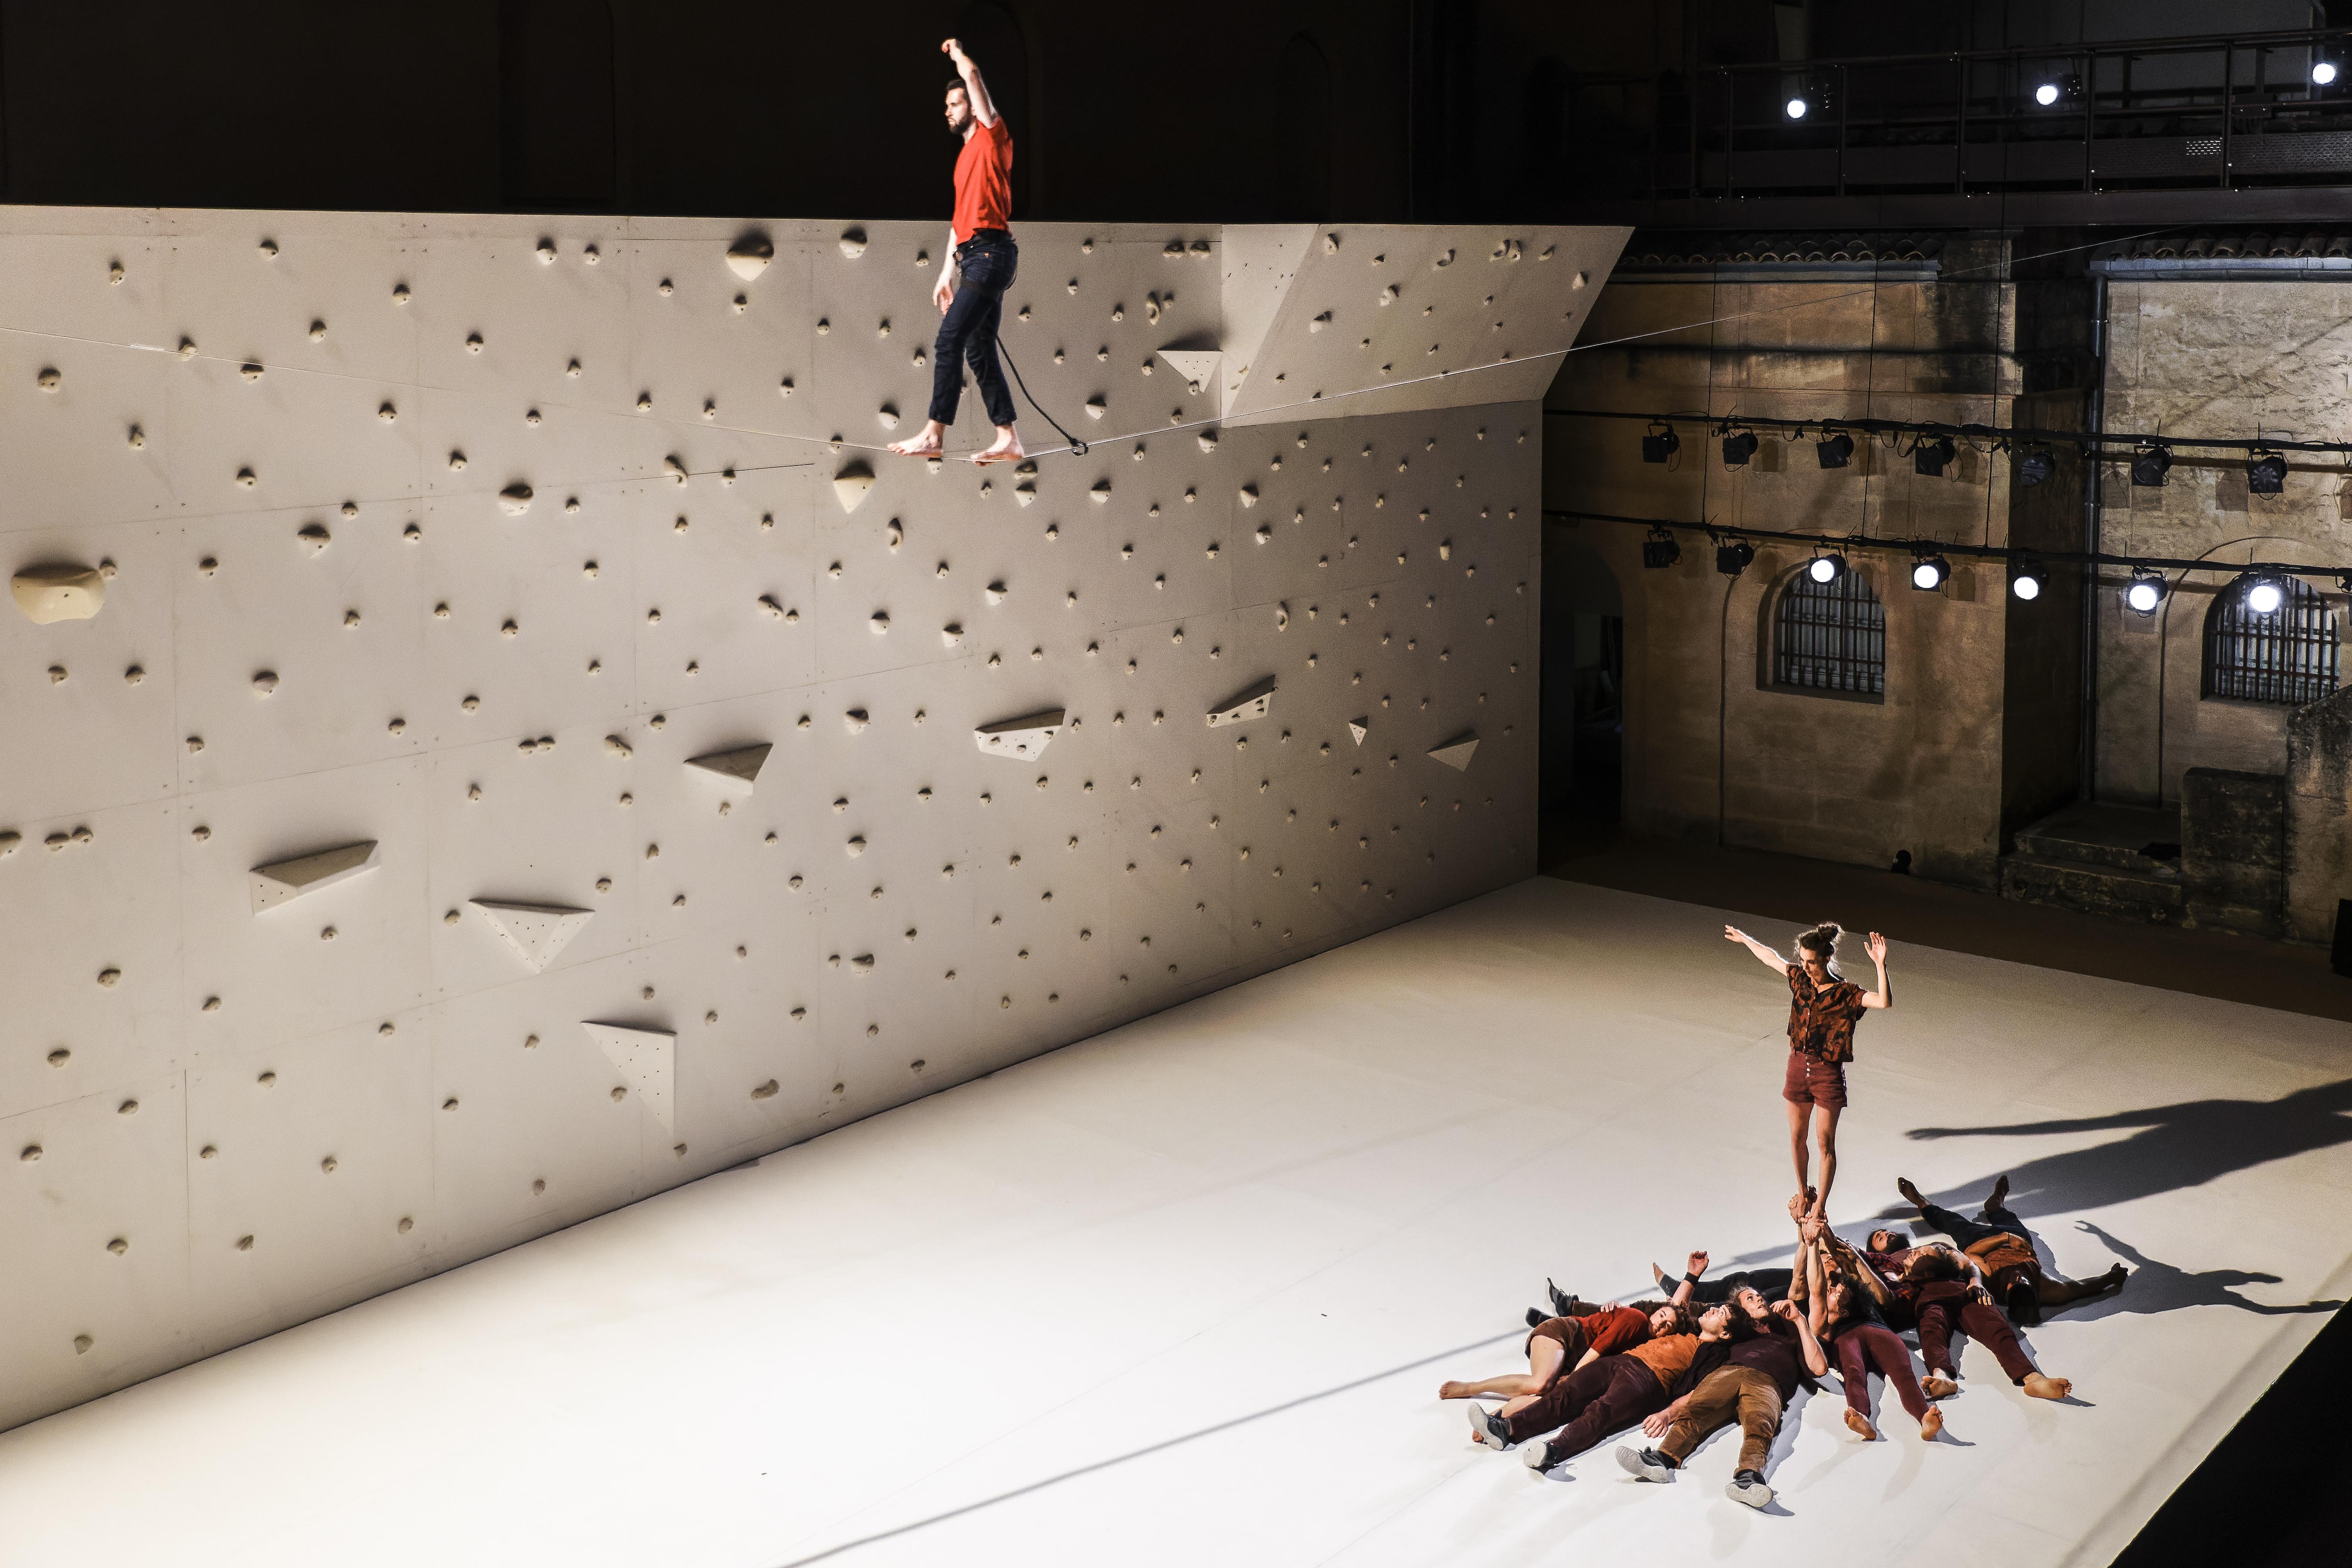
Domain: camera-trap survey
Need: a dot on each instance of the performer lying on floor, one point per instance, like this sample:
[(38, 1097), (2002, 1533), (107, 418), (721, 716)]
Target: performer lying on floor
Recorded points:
[(2000, 1249), (1749, 1378)]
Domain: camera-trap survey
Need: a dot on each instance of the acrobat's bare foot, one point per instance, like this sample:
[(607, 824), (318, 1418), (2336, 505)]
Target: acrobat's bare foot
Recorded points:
[(2041, 1385), (1937, 1387), (1453, 1391), (1911, 1195), (925, 442), (1006, 449), (1931, 1426), (1859, 1425), (1999, 1194)]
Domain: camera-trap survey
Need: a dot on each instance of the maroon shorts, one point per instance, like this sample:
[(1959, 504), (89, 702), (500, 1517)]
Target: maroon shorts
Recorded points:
[(1569, 1332), (1812, 1081)]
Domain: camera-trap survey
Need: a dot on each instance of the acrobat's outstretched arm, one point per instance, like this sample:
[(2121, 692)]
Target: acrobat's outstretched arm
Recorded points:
[(1764, 955), (983, 108)]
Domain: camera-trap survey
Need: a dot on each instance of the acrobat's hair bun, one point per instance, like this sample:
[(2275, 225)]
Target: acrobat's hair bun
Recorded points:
[(1822, 938)]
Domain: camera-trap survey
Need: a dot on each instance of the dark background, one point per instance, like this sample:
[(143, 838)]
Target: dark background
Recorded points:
[(1363, 110)]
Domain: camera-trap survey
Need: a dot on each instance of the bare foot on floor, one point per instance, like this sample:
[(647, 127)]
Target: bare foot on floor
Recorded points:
[(2041, 1385), (1859, 1425), (1453, 1391), (1939, 1387), (1006, 448), (926, 445), (1931, 1424)]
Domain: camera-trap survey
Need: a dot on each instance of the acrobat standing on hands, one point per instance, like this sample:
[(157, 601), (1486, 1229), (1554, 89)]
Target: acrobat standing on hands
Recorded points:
[(1824, 1007), (979, 265)]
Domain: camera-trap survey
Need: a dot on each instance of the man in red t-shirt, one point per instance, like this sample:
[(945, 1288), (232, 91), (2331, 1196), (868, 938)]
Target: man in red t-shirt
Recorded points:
[(981, 261)]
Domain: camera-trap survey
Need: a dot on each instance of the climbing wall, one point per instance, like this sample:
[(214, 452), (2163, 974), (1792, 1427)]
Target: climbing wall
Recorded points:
[(491, 736)]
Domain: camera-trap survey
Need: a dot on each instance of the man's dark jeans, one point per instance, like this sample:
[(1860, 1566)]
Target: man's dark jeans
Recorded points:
[(968, 332)]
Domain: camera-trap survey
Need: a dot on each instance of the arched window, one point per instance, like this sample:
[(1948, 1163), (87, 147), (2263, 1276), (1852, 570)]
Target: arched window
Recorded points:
[(1830, 636), (2287, 655)]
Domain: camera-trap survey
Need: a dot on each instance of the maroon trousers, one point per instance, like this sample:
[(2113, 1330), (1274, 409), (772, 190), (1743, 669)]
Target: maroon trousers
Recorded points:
[(1945, 1304), (1867, 1345), (1607, 1396)]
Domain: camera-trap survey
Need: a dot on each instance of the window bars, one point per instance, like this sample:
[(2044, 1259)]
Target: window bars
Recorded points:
[(1831, 637), (2287, 655)]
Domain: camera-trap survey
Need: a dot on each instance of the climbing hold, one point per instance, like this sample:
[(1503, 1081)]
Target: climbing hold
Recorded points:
[(314, 537), (674, 466), (889, 416), (850, 485), (1248, 497), (769, 606), (515, 499), (878, 622), (281, 880), (1250, 704), (951, 634), (1095, 407), (765, 1091), (49, 379), (536, 932), (1024, 737), (1359, 728), (852, 243), (1318, 324), (265, 682), (1100, 493), (646, 1056), (862, 964), (1455, 753), (58, 593), (856, 846), (250, 371), (739, 766), (749, 255)]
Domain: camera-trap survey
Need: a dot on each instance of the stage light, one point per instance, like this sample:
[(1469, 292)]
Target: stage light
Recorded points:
[(2323, 72), (1928, 456), (2026, 578), (1930, 573), (1659, 445), (2265, 595), (1734, 557), (2266, 473), (2150, 464), (1836, 452), (2145, 593), (1826, 569), (2034, 465), (1737, 449), (2046, 94), (1659, 550), (1796, 107)]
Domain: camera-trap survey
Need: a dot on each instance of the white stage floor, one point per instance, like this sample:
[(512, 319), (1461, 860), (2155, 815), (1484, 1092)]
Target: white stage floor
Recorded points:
[(1183, 1294)]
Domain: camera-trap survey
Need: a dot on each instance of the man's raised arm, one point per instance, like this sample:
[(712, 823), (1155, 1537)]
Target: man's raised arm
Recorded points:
[(983, 108)]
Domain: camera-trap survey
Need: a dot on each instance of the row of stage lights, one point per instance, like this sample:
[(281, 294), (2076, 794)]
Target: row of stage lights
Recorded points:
[(2048, 94), (2265, 594), (1931, 454)]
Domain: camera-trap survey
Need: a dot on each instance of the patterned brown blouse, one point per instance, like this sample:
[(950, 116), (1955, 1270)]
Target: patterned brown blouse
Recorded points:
[(1822, 1017)]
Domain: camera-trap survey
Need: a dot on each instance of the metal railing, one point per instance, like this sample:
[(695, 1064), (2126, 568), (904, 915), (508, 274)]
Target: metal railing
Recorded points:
[(2226, 111)]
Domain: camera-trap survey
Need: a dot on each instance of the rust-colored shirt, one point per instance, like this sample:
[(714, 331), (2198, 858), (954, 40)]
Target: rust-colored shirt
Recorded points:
[(2002, 1251), (1607, 1333), (983, 180), (1669, 1357), (1822, 1017)]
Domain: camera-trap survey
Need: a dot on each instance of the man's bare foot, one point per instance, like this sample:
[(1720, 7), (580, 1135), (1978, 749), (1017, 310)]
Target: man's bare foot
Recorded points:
[(1859, 1425), (1939, 1387), (924, 443), (1910, 1194), (2041, 1385), (2114, 1278), (1453, 1391), (1931, 1426), (1659, 1275), (1006, 448)]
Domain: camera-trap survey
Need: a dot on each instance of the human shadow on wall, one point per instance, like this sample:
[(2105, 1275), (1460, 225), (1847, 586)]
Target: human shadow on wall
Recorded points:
[(2186, 1144), (2158, 1286)]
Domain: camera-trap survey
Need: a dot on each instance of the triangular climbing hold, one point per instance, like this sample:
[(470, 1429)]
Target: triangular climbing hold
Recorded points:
[(1026, 737), (1198, 366), (850, 485), (1251, 704), (1455, 753), (1359, 728), (748, 256), (647, 1058), (280, 881), (741, 765), (536, 932)]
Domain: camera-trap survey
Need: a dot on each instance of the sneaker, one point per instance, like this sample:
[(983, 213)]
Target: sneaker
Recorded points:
[(1748, 1487), (1538, 1457), (1488, 1427), (1645, 1464), (2024, 1303)]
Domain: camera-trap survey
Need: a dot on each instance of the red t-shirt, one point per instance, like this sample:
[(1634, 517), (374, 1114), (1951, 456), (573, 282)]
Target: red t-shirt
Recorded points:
[(983, 180), (1607, 1333)]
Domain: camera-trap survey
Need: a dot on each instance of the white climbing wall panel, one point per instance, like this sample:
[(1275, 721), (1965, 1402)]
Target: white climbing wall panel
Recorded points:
[(504, 545)]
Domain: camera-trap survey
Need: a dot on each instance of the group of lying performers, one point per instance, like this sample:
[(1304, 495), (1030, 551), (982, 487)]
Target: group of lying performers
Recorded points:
[(1737, 1348)]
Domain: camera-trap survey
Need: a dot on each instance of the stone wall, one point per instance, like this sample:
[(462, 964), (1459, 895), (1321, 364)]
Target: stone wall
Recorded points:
[(2318, 816), (1712, 747)]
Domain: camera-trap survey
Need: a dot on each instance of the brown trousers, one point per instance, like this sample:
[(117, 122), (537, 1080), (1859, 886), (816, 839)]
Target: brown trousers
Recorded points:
[(1726, 1395)]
